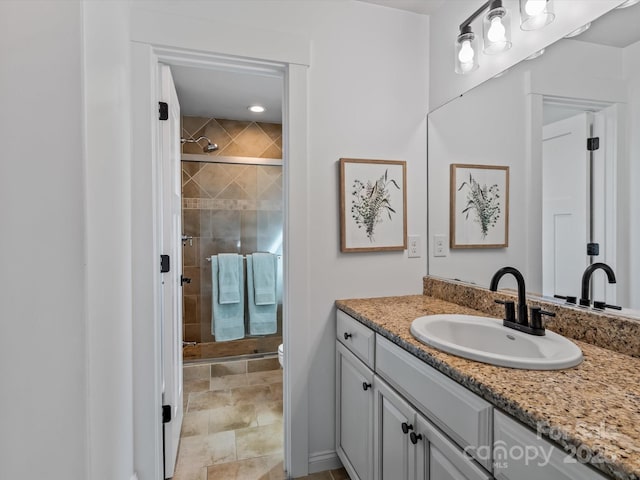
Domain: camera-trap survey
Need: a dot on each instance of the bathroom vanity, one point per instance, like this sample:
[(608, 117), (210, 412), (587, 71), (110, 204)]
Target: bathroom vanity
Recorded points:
[(408, 411)]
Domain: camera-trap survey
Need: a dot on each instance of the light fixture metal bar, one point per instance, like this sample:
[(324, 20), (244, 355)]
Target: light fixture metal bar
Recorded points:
[(475, 14)]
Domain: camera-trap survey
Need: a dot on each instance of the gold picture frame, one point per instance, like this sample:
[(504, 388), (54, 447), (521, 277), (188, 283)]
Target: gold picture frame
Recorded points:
[(479, 206), (373, 205)]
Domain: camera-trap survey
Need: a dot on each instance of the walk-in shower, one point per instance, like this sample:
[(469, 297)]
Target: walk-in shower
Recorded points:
[(230, 204)]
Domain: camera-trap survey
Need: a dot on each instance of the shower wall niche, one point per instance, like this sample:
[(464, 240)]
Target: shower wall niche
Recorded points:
[(228, 208)]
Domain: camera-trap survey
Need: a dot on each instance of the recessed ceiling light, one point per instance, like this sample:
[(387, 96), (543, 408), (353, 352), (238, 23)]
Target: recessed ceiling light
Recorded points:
[(578, 31), (256, 108)]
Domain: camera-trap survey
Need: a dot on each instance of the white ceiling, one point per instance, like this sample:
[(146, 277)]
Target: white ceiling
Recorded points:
[(224, 94), (424, 7)]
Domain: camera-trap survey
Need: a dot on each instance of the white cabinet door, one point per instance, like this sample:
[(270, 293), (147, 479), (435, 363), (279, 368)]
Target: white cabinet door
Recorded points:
[(354, 414), (438, 458), (395, 420)]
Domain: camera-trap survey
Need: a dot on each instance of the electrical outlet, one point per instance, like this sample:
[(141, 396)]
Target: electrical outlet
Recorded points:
[(439, 245), (414, 246)]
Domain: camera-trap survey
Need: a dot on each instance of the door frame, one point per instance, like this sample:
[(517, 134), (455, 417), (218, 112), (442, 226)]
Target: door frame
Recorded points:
[(147, 50), (608, 113), (576, 89)]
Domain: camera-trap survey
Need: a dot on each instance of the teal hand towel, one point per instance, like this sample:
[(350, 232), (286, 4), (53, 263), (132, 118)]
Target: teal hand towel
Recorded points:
[(264, 278), (229, 278), (262, 318), (227, 322)]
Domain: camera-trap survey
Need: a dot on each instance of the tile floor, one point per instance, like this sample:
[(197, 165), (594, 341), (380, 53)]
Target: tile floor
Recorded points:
[(232, 426)]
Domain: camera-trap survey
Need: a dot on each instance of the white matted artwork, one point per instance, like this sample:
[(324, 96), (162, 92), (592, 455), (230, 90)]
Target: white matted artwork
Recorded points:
[(373, 205), (479, 210)]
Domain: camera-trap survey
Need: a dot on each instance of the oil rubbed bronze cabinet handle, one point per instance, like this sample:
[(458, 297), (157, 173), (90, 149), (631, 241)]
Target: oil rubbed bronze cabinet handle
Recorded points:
[(347, 336)]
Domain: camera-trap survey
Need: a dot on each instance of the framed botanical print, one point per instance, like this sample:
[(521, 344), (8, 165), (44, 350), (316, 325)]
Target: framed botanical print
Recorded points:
[(479, 206), (373, 205)]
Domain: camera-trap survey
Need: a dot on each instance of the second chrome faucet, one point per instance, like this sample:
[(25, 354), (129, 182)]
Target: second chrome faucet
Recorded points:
[(521, 322)]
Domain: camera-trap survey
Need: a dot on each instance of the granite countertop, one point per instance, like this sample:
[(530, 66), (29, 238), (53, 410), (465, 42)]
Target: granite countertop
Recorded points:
[(593, 408)]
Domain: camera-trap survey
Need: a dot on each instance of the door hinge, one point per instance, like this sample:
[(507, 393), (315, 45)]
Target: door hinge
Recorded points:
[(166, 413), (164, 110), (593, 143), (593, 249), (164, 263)]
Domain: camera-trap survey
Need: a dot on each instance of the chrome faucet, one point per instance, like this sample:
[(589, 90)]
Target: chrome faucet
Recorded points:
[(586, 280), (520, 323)]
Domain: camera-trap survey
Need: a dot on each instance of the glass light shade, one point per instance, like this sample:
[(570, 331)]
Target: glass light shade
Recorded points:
[(535, 55), (496, 28), (466, 50), (578, 31), (536, 14)]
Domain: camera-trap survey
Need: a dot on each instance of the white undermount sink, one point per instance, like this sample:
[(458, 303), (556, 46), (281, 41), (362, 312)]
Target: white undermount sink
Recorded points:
[(486, 340)]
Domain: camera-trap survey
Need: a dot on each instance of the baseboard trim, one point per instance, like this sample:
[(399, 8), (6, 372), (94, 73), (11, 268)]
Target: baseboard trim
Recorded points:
[(322, 461)]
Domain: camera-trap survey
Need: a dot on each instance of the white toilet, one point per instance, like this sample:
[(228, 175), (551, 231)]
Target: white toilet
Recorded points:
[(281, 355)]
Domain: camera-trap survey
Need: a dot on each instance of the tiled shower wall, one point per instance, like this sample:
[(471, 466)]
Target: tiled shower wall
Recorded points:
[(234, 138), (227, 208)]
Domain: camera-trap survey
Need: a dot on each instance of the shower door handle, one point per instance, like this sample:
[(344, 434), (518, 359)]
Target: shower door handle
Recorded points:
[(185, 238)]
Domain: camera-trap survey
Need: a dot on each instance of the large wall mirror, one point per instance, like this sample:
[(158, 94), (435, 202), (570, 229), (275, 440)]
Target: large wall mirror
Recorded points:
[(535, 118)]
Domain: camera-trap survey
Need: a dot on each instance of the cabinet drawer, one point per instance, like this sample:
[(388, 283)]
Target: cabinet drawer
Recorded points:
[(462, 415), (520, 454), (356, 337)]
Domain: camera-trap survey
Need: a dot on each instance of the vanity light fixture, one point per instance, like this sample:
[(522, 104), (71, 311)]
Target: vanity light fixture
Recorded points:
[(536, 14), (496, 28), (578, 31), (256, 108), (496, 36)]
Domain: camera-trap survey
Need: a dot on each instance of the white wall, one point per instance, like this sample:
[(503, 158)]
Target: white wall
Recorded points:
[(632, 72), (494, 124), (43, 354), (108, 229), (368, 99), (445, 84)]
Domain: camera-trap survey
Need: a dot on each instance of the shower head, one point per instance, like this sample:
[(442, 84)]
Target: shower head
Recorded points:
[(210, 147)]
